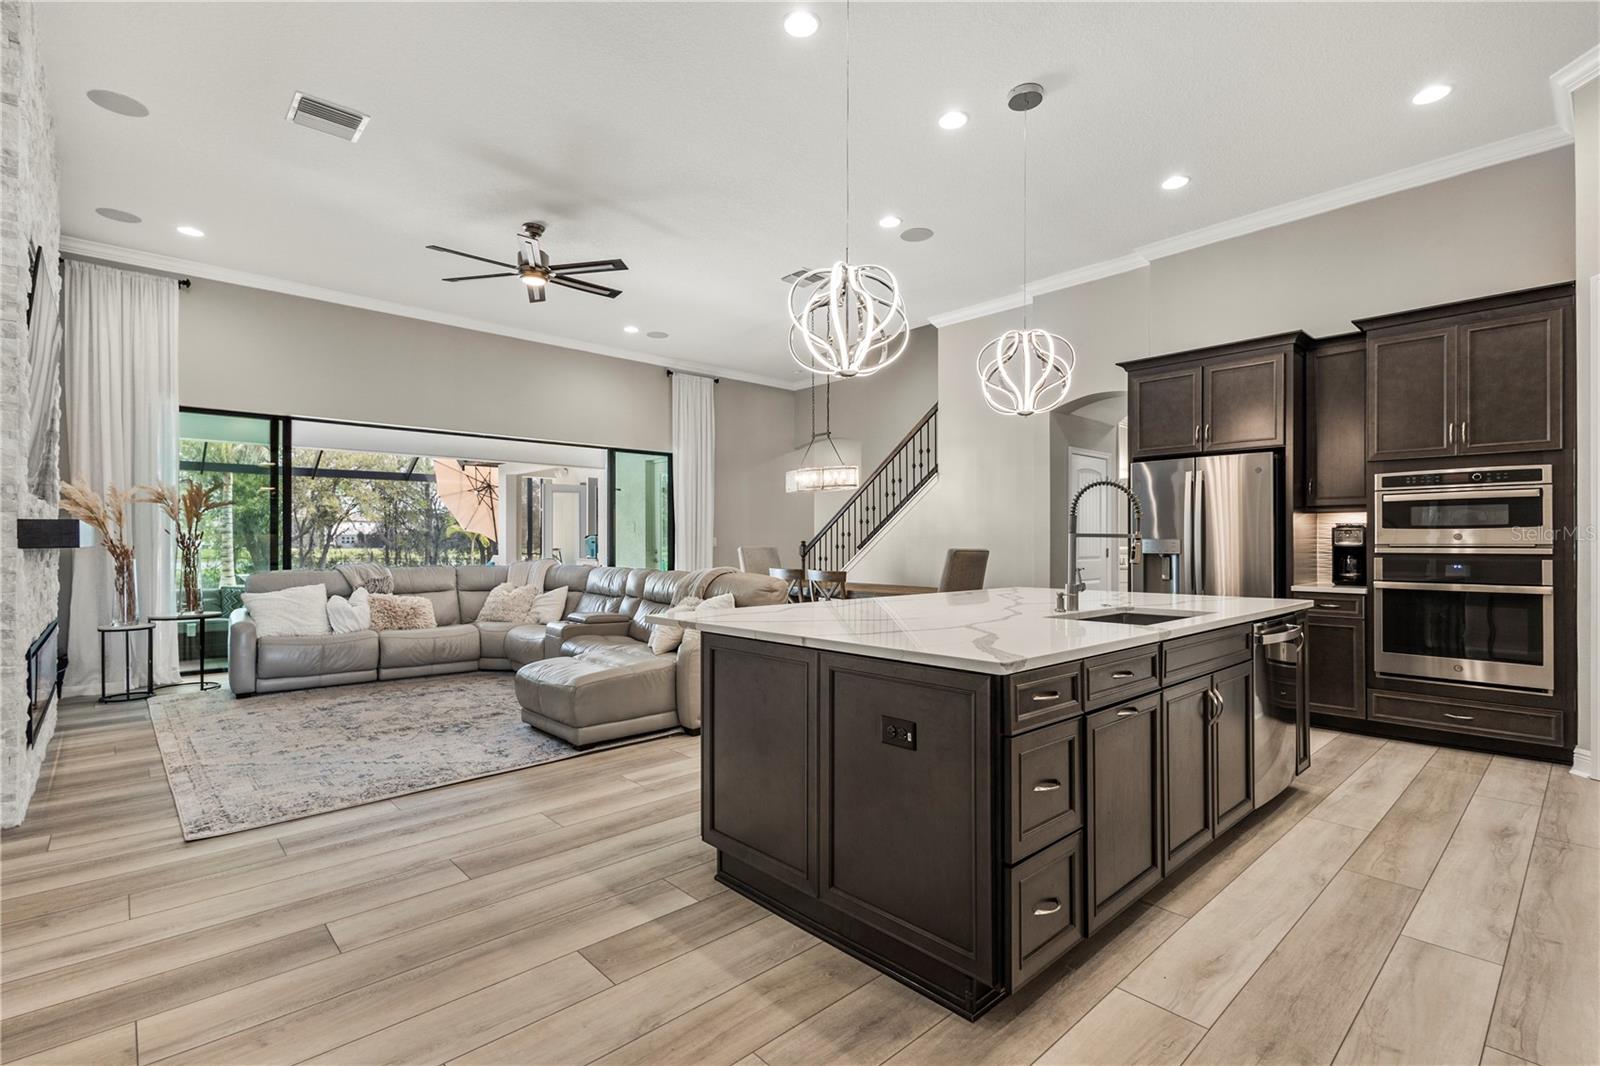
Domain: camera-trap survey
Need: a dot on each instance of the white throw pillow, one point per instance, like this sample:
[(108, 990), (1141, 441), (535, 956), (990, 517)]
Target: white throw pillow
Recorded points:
[(666, 638), (301, 611), (549, 607), (350, 615), (509, 603)]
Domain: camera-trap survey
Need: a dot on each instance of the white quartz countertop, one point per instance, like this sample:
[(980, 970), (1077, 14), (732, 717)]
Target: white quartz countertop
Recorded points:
[(992, 631), (1330, 590)]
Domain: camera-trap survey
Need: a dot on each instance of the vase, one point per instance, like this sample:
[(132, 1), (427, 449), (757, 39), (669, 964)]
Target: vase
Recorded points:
[(124, 592), (189, 593)]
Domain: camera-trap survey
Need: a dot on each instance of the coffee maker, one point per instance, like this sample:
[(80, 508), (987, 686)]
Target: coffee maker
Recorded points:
[(1350, 554)]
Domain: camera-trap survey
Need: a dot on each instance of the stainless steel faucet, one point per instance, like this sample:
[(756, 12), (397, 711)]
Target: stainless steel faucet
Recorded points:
[(1068, 600)]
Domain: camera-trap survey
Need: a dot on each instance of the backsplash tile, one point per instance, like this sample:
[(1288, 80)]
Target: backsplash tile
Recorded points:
[(1313, 543)]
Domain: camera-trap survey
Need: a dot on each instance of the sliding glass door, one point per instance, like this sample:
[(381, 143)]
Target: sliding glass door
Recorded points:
[(641, 509)]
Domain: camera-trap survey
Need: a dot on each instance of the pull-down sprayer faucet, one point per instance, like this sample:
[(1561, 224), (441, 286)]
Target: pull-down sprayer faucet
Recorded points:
[(1068, 599)]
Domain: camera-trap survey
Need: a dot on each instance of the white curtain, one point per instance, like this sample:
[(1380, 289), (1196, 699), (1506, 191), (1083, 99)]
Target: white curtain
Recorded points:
[(43, 407), (121, 413), (694, 447)]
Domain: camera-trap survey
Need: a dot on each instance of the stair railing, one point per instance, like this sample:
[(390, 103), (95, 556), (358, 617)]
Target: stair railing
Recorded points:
[(890, 486)]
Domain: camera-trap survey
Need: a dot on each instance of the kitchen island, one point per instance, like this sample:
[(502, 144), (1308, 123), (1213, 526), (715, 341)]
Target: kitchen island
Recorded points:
[(957, 788)]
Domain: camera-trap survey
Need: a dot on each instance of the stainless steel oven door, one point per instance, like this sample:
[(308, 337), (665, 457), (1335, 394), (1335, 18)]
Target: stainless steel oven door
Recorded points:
[(1514, 518), (1469, 619)]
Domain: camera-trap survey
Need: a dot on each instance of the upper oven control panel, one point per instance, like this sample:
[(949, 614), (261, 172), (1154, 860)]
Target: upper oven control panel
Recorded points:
[(1493, 475)]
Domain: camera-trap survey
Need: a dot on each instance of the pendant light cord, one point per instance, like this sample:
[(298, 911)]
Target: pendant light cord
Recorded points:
[(1025, 222), (847, 131)]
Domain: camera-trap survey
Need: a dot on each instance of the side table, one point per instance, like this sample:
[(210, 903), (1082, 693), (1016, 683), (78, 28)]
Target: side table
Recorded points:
[(129, 694), (200, 617)]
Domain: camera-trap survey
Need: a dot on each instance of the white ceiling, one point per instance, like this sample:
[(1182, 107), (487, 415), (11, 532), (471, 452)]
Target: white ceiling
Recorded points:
[(704, 146)]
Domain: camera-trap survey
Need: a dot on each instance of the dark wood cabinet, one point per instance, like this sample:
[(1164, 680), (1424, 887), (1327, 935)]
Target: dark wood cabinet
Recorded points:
[(1242, 403), (1233, 744), (1164, 411), (1123, 796), (1336, 657), (1336, 423), (1476, 382), (1186, 770)]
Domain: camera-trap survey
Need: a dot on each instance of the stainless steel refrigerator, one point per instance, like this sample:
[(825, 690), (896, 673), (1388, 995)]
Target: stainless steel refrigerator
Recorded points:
[(1209, 524)]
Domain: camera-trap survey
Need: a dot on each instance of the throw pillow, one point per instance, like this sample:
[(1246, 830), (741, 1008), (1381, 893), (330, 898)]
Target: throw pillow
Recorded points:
[(301, 611), (350, 615), (666, 638), (550, 606), (401, 612), (509, 603)]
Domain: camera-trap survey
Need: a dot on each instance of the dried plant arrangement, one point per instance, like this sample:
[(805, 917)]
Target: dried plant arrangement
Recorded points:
[(186, 508), (108, 516)]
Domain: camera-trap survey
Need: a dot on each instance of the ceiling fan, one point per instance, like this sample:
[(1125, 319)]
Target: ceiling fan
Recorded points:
[(534, 269)]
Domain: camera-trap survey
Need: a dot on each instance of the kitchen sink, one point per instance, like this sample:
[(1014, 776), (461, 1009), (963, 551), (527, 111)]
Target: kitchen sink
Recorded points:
[(1130, 617)]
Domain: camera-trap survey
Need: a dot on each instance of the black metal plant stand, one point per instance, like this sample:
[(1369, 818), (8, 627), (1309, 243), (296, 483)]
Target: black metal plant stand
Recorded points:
[(201, 617), (129, 694)]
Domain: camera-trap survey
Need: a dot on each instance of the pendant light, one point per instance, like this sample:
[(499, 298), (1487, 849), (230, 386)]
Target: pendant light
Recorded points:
[(847, 319), (1025, 371), (809, 477)]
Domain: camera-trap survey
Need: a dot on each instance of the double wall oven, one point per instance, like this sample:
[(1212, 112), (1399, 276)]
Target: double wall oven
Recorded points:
[(1463, 589)]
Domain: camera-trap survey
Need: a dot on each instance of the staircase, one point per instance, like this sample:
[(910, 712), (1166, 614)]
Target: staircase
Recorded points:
[(909, 466)]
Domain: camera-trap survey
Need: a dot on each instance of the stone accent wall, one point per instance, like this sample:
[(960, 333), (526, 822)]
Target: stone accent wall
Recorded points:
[(29, 212)]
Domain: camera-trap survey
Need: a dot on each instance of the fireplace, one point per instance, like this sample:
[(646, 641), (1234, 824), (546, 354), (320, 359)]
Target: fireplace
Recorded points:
[(45, 668)]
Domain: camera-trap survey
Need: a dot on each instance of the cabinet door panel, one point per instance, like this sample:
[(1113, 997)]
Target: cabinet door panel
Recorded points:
[(1045, 787), (1243, 403), (1186, 764), (1164, 412), (1336, 668), (907, 840), (1123, 793), (759, 775), (1233, 738), (1510, 384), (1336, 410), (1411, 394)]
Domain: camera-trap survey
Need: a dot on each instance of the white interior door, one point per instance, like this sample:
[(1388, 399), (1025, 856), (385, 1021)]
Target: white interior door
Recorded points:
[(563, 522), (1096, 555)]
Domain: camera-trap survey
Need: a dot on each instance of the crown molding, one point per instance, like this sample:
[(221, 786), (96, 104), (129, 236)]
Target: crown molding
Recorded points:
[(1488, 155), (1568, 80), (117, 255)]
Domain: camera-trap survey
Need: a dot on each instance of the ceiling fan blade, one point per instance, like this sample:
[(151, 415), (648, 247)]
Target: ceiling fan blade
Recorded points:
[(586, 286), (536, 294), (593, 266), (475, 277), (469, 255)]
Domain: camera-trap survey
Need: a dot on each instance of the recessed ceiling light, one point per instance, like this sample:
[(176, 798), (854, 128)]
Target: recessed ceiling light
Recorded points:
[(801, 23), (630, 329), (889, 221), (1431, 95), (116, 214), (191, 231), (1177, 181), (952, 120), (657, 334), (916, 233), (117, 103)]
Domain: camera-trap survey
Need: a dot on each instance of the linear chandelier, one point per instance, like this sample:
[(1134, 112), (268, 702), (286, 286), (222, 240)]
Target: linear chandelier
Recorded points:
[(1025, 371), (813, 477), (847, 320)]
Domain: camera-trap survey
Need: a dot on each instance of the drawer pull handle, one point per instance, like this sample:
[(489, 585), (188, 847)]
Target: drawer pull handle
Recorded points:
[(1331, 606), (1458, 717), (1129, 713), (1042, 697), (1120, 674), (1049, 906), (1047, 786)]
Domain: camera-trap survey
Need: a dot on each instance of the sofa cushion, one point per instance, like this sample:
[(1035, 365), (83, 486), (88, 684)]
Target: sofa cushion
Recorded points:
[(607, 651), (331, 653), (521, 644), (473, 585), (437, 584), (579, 693), (427, 647)]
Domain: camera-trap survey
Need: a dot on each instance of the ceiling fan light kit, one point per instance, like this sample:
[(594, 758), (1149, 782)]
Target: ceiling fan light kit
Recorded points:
[(1025, 371), (534, 269)]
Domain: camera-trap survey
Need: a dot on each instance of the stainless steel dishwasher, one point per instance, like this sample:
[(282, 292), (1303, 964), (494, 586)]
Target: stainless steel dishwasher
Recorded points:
[(1280, 704)]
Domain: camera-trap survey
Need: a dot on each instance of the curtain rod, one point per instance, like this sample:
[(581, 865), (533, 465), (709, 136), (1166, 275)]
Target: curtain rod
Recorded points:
[(692, 374), (183, 282)]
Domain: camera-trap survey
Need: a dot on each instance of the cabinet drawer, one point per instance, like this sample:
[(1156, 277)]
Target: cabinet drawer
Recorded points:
[(1045, 783), (1330, 605), (1046, 908), (1041, 696), (1202, 654), (1109, 678), (1531, 725)]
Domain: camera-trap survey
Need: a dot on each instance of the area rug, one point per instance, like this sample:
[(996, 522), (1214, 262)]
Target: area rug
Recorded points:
[(237, 764)]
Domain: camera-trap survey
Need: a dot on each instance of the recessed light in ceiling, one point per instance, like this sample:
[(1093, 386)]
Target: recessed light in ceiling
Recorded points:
[(630, 329), (952, 120), (916, 233), (657, 334), (1432, 94), (801, 23), (889, 221), (117, 103), (191, 231), (117, 214), (1175, 182)]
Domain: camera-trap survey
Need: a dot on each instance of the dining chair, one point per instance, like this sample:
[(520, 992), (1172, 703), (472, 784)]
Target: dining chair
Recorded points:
[(964, 569), (827, 584), (796, 579), (758, 560)]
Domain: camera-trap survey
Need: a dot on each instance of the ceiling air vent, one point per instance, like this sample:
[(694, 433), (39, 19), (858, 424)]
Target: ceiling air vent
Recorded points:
[(320, 115), (790, 279)]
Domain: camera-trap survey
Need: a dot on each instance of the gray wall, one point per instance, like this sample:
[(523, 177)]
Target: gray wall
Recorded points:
[(754, 443), (876, 411)]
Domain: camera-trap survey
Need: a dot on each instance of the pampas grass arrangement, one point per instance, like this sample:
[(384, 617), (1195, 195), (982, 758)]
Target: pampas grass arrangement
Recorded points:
[(108, 516), (186, 509)]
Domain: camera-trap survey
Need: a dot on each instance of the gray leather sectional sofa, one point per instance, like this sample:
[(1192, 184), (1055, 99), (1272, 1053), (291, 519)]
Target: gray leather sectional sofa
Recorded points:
[(607, 684)]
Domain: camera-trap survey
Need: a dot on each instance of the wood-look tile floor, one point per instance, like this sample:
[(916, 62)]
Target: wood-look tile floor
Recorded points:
[(1401, 904)]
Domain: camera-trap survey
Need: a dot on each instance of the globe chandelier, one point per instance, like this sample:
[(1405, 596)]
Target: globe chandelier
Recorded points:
[(847, 320), (1026, 371)]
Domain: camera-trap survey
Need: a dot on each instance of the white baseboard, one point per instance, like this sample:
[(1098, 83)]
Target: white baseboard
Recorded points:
[(1582, 762)]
